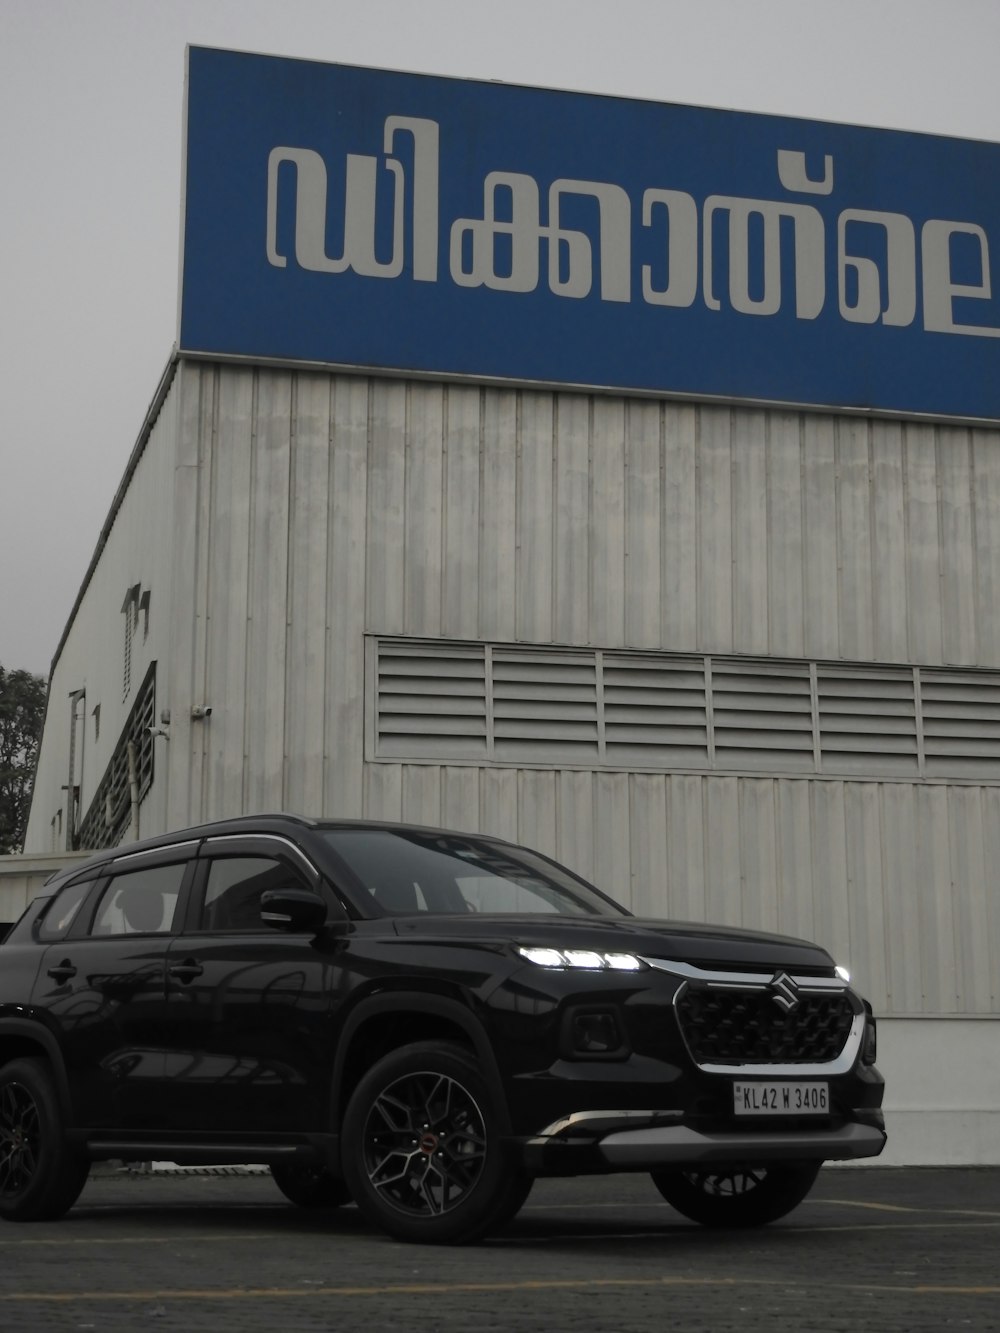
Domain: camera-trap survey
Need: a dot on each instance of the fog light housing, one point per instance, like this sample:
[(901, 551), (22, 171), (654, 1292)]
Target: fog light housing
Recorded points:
[(594, 1034)]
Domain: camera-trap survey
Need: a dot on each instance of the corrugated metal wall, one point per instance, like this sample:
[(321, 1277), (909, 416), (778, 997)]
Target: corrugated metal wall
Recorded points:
[(137, 554), (314, 509), (558, 518)]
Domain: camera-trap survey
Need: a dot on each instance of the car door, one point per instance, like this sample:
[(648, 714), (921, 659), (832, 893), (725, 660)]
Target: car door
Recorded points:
[(251, 1006), (102, 983)]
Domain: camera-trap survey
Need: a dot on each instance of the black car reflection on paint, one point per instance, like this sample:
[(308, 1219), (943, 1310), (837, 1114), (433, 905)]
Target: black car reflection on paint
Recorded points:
[(418, 1021)]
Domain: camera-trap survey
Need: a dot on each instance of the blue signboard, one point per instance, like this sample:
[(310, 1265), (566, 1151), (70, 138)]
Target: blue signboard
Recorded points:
[(357, 217)]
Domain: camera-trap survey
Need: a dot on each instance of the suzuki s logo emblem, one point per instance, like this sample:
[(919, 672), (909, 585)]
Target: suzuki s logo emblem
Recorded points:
[(784, 992)]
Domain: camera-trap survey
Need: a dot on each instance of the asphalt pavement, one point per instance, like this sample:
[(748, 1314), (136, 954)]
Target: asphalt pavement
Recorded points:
[(872, 1250)]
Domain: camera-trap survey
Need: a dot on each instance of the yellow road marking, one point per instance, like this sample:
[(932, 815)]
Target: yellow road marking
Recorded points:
[(179, 1238), (459, 1288), (175, 1239), (879, 1207), (899, 1208), (692, 1232), (902, 1226)]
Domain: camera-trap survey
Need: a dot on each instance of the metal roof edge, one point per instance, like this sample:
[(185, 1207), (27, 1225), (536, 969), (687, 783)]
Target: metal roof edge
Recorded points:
[(149, 421), (685, 397)]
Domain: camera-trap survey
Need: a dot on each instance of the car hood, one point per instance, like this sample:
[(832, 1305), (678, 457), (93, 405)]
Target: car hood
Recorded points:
[(681, 941)]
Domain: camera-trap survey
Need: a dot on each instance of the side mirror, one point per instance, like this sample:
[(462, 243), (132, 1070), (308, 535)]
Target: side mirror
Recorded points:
[(292, 908)]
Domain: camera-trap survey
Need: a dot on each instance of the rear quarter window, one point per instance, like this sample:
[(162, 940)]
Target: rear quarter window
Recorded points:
[(62, 910), (20, 931)]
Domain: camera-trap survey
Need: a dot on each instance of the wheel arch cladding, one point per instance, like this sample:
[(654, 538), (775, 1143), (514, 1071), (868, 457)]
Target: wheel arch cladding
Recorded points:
[(22, 1039), (393, 1019)]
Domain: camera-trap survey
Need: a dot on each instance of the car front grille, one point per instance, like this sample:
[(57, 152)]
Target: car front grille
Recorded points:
[(737, 1026)]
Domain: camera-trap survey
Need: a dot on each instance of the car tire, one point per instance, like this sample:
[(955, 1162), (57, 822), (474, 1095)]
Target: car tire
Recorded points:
[(422, 1150), (41, 1174), (737, 1196), (518, 1190), (310, 1186)]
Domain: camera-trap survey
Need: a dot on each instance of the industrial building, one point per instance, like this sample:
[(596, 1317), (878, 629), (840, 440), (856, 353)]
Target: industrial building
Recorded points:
[(435, 529)]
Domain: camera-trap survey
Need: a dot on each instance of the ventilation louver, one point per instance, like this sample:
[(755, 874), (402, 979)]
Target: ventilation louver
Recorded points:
[(507, 704)]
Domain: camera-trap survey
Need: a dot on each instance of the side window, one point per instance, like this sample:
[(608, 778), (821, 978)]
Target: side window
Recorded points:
[(232, 894), (140, 902), (62, 910)]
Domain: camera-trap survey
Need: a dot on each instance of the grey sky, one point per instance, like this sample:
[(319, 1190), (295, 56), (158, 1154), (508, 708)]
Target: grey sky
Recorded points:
[(90, 151)]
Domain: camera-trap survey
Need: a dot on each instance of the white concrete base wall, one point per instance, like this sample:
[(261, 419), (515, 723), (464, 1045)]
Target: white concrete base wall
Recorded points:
[(22, 876), (942, 1102)]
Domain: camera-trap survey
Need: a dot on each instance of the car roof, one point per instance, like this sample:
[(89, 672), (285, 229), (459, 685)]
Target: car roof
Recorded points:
[(281, 822)]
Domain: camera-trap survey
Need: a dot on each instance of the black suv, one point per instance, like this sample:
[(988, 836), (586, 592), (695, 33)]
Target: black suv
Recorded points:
[(418, 1021)]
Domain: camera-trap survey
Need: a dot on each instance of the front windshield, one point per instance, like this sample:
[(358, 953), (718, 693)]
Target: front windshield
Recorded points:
[(406, 872)]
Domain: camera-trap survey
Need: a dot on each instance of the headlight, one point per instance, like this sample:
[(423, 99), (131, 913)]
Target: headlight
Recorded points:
[(843, 973), (583, 958)]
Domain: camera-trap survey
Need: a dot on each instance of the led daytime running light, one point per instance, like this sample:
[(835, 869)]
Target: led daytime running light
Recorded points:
[(589, 959)]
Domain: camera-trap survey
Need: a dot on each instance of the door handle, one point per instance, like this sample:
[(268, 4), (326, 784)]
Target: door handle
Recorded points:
[(62, 971), (186, 971)]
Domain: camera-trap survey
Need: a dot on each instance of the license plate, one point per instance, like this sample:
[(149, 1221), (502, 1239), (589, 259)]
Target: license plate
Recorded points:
[(770, 1097)]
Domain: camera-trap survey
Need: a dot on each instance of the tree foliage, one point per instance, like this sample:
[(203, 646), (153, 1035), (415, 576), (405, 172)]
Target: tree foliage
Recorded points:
[(22, 709)]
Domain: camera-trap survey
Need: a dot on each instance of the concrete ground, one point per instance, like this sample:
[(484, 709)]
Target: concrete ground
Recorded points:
[(901, 1250)]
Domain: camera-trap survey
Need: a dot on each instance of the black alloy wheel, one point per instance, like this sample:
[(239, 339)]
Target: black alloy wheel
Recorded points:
[(19, 1138), (41, 1176), (737, 1196), (422, 1151), (310, 1186)]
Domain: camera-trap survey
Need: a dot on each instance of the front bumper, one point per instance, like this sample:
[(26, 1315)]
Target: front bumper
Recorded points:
[(641, 1149), (591, 1142)]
